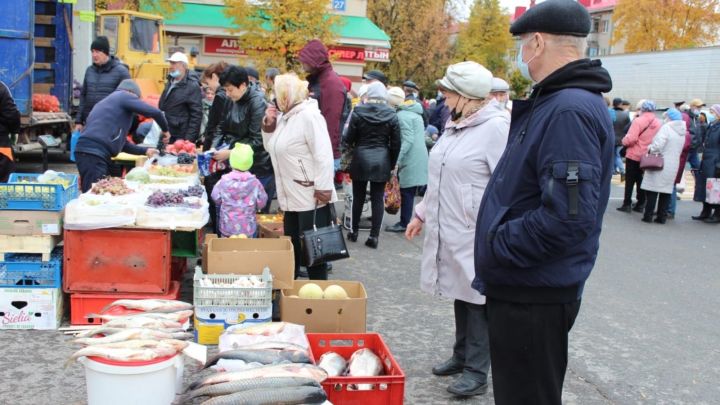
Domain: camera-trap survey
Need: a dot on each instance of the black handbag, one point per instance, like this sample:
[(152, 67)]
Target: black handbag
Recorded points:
[(323, 245)]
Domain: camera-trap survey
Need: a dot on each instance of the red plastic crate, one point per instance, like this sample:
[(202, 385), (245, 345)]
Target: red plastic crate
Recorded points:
[(178, 267), (84, 304), (388, 389), (117, 261)]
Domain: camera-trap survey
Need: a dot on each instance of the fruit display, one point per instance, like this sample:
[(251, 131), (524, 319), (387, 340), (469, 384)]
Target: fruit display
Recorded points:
[(270, 218), (315, 292), (181, 146), (165, 199), (111, 185), (45, 103), (139, 175), (311, 291), (178, 170), (193, 191), (335, 292)]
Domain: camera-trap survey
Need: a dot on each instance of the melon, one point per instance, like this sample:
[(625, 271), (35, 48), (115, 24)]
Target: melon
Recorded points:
[(335, 292), (311, 291)]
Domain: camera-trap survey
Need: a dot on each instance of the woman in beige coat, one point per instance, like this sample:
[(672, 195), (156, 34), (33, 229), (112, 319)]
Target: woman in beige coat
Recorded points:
[(460, 166), (299, 145)]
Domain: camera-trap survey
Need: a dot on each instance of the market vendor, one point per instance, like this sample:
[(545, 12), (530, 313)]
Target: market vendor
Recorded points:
[(104, 134)]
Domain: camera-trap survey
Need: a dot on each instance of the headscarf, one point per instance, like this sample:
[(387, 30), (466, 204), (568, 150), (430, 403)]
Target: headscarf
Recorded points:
[(648, 106), (674, 114), (377, 91), (289, 91), (716, 109)]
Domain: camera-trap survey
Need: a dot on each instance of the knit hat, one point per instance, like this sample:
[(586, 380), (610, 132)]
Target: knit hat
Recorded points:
[(716, 109), (241, 157), (131, 86), (101, 44), (674, 114), (559, 17), (648, 106), (469, 79), (396, 96), (377, 91)]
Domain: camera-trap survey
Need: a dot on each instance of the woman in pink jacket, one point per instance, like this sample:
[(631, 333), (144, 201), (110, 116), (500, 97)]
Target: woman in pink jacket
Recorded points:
[(637, 140)]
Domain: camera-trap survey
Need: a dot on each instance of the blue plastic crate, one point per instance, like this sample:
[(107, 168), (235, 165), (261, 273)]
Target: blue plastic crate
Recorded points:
[(22, 192), (27, 270)]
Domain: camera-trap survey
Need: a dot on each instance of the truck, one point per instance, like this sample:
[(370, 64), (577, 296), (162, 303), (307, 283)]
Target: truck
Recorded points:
[(666, 77), (36, 58)]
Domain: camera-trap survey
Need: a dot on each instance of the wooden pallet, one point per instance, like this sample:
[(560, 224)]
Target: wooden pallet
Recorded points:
[(29, 244)]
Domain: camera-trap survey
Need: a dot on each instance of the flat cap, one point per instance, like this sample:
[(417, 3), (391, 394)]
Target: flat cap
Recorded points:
[(411, 84), (376, 75), (559, 17)]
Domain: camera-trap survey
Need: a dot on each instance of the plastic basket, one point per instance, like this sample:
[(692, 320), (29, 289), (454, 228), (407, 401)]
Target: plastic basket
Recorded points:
[(185, 244), (221, 296), (22, 192), (388, 389), (27, 270)]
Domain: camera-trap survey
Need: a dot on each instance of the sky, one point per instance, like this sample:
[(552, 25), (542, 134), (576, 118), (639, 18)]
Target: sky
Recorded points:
[(463, 6)]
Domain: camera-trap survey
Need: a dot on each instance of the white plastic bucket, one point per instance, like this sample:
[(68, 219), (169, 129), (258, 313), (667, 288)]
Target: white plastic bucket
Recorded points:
[(150, 384)]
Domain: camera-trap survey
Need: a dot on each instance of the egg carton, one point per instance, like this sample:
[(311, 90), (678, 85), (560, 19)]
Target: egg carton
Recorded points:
[(232, 290)]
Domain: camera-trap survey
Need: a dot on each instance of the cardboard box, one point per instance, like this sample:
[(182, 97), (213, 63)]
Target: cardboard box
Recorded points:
[(31, 308), (31, 223), (251, 256), (206, 243), (271, 230), (326, 316)]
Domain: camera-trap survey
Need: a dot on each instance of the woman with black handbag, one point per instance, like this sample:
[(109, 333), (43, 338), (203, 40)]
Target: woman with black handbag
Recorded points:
[(296, 136)]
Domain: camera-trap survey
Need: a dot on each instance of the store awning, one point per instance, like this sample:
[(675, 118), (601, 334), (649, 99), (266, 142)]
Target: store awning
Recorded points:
[(209, 19)]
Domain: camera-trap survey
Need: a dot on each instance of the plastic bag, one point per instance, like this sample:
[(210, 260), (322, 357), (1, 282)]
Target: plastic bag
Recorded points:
[(173, 217), (138, 175), (97, 212), (291, 333), (392, 196), (153, 136)]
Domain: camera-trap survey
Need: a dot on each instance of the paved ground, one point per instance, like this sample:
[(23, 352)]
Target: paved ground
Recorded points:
[(647, 331)]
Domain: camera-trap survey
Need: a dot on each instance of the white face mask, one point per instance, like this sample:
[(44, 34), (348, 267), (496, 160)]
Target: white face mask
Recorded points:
[(523, 66)]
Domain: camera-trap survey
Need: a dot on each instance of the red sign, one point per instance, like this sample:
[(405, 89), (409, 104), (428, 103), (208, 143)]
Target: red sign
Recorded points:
[(347, 54), (222, 46), (377, 55)]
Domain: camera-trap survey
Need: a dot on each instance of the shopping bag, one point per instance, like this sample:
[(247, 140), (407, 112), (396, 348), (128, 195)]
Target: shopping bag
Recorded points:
[(712, 191), (392, 196)]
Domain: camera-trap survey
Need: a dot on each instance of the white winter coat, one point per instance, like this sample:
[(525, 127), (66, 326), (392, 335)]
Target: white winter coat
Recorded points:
[(302, 157), (460, 166), (669, 142)]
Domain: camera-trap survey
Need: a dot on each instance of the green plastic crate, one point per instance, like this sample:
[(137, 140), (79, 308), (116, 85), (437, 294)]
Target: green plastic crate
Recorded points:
[(185, 244)]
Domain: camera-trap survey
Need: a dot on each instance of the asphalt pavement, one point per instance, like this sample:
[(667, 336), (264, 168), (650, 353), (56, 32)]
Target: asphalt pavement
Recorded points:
[(647, 332)]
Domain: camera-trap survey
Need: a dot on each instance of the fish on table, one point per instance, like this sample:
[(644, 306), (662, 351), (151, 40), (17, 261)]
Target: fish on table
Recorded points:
[(142, 322), (261, 329), (272, 345), (232, 387), (364, 363), (279, 370), (131, 350), (133, 334), (176, 316), (262, 356), (285, 396), (150, 305), (333, 363), (104, 330)]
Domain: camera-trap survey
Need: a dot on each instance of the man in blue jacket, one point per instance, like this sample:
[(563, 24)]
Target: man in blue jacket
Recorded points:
[(108, 124), (539, 224)]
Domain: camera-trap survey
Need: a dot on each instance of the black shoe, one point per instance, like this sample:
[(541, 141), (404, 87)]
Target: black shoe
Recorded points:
[(448, 367), (372, 242), (659, 220), (715, 219), (638, 208), (625, 208), (352, 236), (301, 274), (395, 228), (647, 219), (704, 214), (466, 386)]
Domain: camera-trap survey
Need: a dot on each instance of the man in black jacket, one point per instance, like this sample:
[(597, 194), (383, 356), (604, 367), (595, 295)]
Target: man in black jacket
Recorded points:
[(182, 100), (101, 79), (621, 121), (9, 124)]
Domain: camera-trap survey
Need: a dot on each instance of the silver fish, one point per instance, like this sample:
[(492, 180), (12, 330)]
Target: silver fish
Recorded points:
[(142, 322), (264, 396), (333, 363), (132, 334), (133, 350), (104, 330), (170, 316), (364, 363), (263, 356), (244, 385), (279, 370), (271, 345), (150, 305)]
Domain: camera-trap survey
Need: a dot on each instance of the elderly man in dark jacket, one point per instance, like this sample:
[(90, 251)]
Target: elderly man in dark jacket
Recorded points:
[(182, 100), (327, 88), (9, 124), (101, 79), (539, 224), (108, 124)]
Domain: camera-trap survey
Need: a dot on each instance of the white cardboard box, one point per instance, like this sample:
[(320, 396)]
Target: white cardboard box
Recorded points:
[(31, 308)]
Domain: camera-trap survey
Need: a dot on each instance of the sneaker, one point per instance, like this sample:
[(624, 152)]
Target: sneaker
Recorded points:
[(395, 228)]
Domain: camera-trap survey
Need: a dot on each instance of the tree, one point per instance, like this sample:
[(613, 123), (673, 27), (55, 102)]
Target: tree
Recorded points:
[(273, 32), (486, 38), (519, 85), (652, 25), (166, 8), (418, 31)]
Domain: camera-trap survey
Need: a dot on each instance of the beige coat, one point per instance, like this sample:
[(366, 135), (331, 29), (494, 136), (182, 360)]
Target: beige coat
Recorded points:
[(302, 157)]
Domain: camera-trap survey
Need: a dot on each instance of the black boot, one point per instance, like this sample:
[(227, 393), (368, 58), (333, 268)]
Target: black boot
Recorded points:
[(714, 219), (372, 242), (625, 208), (352, 236), (704, 214)]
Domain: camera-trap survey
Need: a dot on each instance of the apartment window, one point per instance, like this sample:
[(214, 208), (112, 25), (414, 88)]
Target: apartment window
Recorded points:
[(595, 25), (605, 26)]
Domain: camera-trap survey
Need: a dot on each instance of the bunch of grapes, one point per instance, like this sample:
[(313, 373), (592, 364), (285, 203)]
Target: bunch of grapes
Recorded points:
[(185, 158), (165, 199), (193, 191), (112, 185)]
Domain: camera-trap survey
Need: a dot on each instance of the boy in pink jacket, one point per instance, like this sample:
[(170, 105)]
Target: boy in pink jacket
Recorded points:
[(239, 195)]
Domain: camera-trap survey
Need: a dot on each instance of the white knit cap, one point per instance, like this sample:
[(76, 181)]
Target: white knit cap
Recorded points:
[(396, 96), (469, 79)]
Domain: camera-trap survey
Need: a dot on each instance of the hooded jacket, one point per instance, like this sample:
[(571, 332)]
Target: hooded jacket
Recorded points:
[(710, 164), (242, 122), (538, 228), (98, 83), (108, 124), (374, 135), (460, 167), (9, 116), (326, 87), (640, 135), (182, 104), (239, 195), (413, 157), (669, 142)]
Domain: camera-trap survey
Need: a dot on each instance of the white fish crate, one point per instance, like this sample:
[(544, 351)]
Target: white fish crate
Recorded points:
[(223, 290)]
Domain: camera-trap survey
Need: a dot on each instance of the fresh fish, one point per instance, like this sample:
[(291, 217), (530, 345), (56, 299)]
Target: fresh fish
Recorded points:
[(142, 322), (264, 329), (171, 316), (272, 346), (333, 363), (124, 354), (262, 396), (131, 334), (244, 385), (106, 331), (279, 370), (263, 356), (150, 305), (364, 363)]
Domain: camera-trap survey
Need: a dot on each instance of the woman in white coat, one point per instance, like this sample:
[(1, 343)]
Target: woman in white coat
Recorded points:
[(668, 142), (460, 167)]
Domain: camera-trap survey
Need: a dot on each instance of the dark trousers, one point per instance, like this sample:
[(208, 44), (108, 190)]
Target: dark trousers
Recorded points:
[(268, 184), (662, 206), (472, 345), (633, 178), (407, 201), (295, 223), (377, 191), (528, 349), (91, 168), (210, 182)]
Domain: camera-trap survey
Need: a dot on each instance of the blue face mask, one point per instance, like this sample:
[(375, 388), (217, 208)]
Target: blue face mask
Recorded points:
[(175, 74), (524, 67)]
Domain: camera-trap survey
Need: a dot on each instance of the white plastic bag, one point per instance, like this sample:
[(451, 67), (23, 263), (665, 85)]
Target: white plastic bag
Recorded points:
[(153, 136), (291, 333), (97, 212), (173, 217)]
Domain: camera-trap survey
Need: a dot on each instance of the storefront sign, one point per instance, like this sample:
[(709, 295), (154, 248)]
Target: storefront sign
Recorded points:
[(377, 55), (222, 46), (347, 54)]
